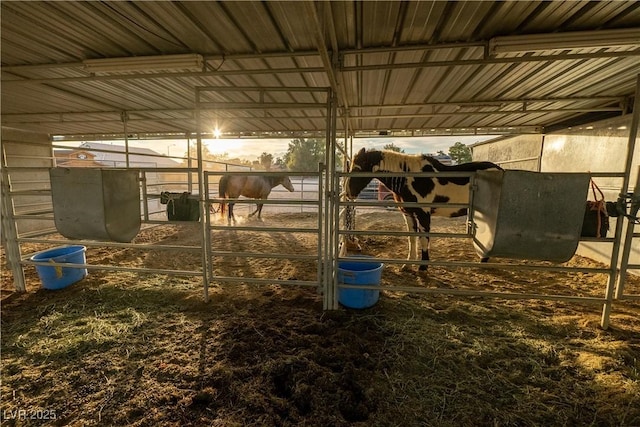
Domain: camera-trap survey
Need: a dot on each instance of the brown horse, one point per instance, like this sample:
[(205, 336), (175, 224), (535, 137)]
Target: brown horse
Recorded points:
[(253, 186)]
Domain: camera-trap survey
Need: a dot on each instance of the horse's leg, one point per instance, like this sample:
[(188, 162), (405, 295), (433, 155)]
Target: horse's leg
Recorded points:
[(257, 211), (424, 226), (412, 224), (231, 215)]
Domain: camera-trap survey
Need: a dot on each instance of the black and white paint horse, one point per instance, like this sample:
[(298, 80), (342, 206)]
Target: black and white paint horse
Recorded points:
[(415, 189), (253, 186)]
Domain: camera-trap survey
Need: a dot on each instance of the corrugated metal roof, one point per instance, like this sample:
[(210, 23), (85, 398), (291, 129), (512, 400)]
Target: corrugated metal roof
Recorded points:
[(408, 68)]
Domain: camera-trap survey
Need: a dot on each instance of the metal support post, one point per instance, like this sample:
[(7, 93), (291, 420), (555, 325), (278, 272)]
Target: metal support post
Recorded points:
[(633, 135), (633, 132), (10, 230), (628, 239), (205, 248), (124, 116)]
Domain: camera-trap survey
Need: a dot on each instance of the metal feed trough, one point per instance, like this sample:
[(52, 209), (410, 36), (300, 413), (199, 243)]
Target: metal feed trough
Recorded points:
[(528, 215), (96, 204)]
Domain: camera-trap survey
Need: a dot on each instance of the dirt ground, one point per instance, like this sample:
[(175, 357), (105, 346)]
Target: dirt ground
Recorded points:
[(121, 348)]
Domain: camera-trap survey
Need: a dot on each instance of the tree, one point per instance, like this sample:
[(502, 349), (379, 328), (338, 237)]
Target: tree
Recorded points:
[(304, 154), (206, 154), (280, 163), (265, 160), (460, 153), (392, 147)]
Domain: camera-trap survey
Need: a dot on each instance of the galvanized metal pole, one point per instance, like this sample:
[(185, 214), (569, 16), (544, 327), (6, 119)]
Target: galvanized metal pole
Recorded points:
[(335, 201), (349, 211), (207, 237), (633, 132), (10, 230), (327, 270), (190, 157), (124, 116), (628, 240), (321, 236), (145, 195), (633, 135), (201, 198)]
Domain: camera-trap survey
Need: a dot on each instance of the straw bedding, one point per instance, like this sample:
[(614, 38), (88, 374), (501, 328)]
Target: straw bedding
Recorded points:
[(143, 350)]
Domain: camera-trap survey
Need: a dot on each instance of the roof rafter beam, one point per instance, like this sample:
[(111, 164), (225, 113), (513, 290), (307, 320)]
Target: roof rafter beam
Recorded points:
[(189, 111), (219, 73), (498, 102), (325, 56), (487, 61), (57, 118), (484, 113), (437, 131), (245, 106), (329, 71)]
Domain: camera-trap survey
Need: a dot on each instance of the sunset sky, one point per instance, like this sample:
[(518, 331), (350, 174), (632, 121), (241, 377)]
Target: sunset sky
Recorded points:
[(250, 149)]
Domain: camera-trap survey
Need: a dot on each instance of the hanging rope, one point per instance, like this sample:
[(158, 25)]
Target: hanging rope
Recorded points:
[(598, 205)]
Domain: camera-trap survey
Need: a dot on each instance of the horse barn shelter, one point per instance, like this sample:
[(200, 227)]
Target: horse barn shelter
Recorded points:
[(555, 81)]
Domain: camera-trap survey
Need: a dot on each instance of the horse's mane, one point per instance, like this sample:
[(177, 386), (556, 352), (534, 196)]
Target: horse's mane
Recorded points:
[(437, 165), (393, 161), (470, 166)]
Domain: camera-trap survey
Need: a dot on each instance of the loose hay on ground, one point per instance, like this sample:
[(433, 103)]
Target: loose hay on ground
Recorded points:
[(128, 349)]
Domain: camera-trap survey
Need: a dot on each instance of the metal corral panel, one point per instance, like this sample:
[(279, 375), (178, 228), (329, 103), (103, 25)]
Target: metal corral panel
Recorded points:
[(528, 215), (96, 204)]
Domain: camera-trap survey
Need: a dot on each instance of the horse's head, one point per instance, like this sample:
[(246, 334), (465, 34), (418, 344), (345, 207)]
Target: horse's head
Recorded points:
[(286, 183), (363, 161)]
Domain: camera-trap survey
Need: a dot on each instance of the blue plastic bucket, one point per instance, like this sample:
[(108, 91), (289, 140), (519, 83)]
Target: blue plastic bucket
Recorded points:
[(56, 277), (359, 273)]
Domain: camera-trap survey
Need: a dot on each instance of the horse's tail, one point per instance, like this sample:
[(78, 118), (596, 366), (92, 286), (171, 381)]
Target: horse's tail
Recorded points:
[(222, 192)]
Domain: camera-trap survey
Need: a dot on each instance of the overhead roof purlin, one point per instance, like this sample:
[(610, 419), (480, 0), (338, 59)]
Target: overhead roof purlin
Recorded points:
[(340, 49)]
